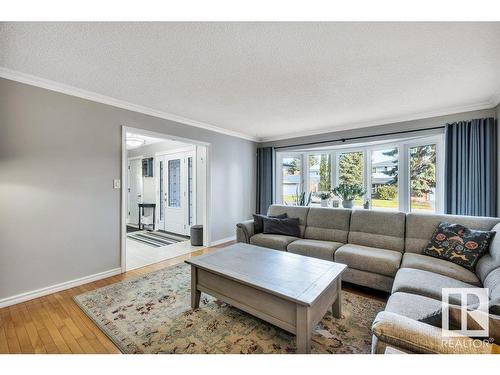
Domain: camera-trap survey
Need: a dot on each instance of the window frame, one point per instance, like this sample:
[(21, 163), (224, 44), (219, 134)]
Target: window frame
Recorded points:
[(403, 146), (279, 173), (305, 158), (439, 169)]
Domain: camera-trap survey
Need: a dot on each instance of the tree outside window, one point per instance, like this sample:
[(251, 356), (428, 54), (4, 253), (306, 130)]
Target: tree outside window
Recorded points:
[(423, 178), (319, 175), (351, 170)]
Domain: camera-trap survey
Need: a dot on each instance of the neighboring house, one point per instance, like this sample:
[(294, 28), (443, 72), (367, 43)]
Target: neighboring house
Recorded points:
[(290, 184), (314, 178)]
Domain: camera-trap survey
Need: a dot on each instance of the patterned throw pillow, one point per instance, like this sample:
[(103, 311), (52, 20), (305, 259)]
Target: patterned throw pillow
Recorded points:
[(458, 244)]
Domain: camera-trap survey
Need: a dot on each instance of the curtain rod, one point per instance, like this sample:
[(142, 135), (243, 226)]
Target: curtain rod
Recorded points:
[(360, 137)]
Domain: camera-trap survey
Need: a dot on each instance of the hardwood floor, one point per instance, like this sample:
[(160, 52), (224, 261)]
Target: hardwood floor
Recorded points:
[(55, 324)]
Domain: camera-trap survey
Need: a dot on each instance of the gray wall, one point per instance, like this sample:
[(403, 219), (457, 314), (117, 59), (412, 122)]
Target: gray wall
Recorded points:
[(386, 128), (60, 216)]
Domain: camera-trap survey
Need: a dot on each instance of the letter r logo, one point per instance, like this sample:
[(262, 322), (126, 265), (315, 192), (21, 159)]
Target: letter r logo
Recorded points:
[(471, 315)]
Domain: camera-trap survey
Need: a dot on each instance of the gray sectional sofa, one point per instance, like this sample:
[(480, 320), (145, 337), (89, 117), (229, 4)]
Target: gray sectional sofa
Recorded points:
[(383, 250)]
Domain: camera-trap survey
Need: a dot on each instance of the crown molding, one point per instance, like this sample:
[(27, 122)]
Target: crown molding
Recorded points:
[(389, 120), (95, 97), (495, 99)]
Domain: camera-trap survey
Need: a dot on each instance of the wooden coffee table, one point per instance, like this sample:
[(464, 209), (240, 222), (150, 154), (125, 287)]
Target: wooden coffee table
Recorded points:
[(288, 290)]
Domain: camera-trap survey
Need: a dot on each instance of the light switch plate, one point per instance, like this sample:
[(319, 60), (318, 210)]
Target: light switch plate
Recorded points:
[(116, 183)]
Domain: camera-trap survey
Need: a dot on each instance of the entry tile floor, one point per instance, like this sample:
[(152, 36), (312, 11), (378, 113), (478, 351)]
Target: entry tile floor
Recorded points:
[(140, 255)]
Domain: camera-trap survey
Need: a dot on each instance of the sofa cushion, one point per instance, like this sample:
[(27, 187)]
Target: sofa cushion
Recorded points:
[(429, 284), (368, 279), (371, 259), (379, 229), (314, 248), (328, 224), (459, 244), (421, 227), (412, 306), (272, 241), (440, 266), (490, 260), (292, 211)]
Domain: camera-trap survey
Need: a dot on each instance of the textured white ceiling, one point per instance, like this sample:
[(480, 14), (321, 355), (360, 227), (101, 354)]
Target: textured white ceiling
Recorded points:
[(269, 80)]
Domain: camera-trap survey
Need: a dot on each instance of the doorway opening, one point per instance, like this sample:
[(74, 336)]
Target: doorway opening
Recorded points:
[(164, 194)]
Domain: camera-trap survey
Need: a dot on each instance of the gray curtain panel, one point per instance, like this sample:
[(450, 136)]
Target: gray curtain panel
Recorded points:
[(471, 168), (265, 157)]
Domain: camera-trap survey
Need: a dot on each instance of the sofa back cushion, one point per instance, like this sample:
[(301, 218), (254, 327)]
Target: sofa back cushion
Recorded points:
[(421, 227), (328, 224), (385, 230), (299, 212)]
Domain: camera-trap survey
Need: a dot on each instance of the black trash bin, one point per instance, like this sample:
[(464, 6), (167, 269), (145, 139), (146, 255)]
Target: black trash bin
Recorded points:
[(197, 235)]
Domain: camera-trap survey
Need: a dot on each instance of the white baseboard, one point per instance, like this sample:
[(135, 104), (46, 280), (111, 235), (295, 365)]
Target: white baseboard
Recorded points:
[(224, 240), (4, 302)]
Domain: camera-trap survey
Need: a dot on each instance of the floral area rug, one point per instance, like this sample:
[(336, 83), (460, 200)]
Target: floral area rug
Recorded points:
[(152, 314)]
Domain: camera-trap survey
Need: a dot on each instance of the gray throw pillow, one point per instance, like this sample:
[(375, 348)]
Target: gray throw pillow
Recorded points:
[(287, 227), (258, 223)]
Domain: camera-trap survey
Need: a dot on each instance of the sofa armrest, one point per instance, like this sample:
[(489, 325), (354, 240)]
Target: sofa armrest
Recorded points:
[(418, 337), (244, 231)]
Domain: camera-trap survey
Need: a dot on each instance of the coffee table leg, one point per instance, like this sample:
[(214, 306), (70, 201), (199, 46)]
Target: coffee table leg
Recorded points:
[(303, 334), (337, 305), (195, 293)]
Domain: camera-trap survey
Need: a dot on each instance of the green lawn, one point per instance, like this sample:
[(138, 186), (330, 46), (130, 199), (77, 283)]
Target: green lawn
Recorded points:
[(380, 203)]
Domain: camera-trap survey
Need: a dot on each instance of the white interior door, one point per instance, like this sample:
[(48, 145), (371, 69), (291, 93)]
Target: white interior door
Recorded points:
[(176, 193), (134, 189)]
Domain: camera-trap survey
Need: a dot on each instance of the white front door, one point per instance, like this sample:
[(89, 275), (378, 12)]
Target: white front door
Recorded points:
[(173, 193), (161, 194), (191, 190), (134, 189)]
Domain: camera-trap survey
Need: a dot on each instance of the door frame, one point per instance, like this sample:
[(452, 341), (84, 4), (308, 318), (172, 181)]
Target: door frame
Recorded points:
[(127, 187), (206, 190)]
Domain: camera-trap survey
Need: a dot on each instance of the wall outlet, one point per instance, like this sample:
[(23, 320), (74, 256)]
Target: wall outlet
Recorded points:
[(116, 183)]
